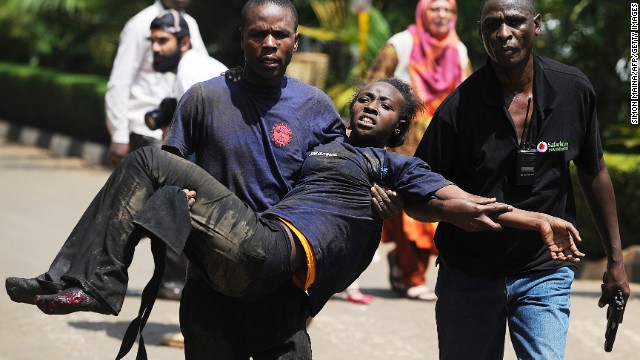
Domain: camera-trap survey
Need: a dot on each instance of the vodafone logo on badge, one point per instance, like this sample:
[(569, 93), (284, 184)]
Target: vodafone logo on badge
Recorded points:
[(542, 146)]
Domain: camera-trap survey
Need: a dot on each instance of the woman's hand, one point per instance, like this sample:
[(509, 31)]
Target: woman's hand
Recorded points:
[(191, 197), (386, 202), (560, 236)]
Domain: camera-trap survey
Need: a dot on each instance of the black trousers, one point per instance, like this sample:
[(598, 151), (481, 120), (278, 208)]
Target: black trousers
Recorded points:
[(242, 255), (175, 271), (216, 326)]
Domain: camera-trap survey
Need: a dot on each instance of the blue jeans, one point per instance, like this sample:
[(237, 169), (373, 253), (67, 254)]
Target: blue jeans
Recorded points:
[(472, 314)]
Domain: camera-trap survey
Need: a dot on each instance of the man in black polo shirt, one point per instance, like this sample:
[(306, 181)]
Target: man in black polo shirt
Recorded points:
[(509, 132)]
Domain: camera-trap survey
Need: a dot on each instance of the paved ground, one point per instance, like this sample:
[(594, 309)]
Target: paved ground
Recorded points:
[(42, 197)]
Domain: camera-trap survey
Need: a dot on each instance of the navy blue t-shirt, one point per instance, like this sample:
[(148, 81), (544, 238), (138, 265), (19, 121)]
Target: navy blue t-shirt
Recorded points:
[(331, 205), (253, 138)]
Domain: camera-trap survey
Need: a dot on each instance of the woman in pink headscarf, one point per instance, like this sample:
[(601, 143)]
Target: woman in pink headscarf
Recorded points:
[(429, 55)]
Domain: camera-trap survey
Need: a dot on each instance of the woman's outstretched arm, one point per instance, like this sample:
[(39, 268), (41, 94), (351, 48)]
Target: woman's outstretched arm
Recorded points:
[(474, 213), (557, 234), (454, 205)]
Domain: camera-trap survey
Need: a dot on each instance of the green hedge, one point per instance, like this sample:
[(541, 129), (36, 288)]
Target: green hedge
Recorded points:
[(624, 170), (55, 101)]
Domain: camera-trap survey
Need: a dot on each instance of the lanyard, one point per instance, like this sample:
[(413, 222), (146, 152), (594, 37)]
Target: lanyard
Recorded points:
[(523, 144)]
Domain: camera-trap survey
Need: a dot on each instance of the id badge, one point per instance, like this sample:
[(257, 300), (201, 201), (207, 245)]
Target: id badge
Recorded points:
[(526, 167)]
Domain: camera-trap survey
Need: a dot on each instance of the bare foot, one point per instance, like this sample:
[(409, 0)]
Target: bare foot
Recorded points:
[(69, 301)]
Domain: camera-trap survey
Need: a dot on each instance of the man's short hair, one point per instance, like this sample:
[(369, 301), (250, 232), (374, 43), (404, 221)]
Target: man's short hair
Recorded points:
[(530, 5), (287, 4), (172, 22)]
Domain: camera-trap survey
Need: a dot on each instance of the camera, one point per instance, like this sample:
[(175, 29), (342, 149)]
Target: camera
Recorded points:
[(161, 117)]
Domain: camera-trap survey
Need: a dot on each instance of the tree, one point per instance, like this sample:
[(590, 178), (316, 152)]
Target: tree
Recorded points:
[(593, 35), (72, 35)]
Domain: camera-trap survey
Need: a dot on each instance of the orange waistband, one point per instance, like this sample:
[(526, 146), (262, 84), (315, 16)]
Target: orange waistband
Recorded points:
[(303, 278)]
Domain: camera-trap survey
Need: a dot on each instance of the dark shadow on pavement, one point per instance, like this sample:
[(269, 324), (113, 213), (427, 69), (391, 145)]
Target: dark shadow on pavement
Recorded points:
[(153, 332), (375, 292), (381, 293)]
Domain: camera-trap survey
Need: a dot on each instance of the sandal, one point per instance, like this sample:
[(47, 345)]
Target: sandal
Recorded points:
[(173, 340), (356, 296), (421, 292)]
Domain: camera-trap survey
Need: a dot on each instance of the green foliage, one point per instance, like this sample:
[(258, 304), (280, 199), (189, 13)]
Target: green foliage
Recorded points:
[(344, 28), (622, 137), (219, 27), (593, 35), (624, 170), (72, 104), (72, 35), (339, 24)]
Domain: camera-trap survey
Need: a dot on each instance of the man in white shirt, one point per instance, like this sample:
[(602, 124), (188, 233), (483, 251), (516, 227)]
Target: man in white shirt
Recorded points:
[(171, 47), (193, 68), (134, 87)]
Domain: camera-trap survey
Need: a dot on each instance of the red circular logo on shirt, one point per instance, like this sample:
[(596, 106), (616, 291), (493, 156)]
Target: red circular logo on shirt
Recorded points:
[(281, 134), (542, 146)]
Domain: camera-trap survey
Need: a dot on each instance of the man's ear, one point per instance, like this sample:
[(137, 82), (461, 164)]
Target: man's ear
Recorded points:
[(297, 38), (241, 38), (537, 21), (185, 44)]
